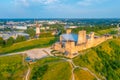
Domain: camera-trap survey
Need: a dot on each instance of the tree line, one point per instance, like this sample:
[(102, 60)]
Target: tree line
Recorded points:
[(93, 28), (11, 41)]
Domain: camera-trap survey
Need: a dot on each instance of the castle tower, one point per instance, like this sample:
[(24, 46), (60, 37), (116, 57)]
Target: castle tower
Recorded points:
[(68, 31), (92, 35), (37, 29), (70, 48), (81, 37)]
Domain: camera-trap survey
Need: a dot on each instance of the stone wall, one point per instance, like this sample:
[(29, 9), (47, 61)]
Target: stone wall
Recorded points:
[(72, 47)]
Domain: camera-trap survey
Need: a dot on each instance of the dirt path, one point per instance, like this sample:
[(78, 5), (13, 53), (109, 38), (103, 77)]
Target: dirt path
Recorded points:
[(28, 73)]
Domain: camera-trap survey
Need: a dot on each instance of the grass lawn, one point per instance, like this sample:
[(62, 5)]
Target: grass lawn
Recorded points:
[(51, 69), (83, 75), (12, 68), (42, 42)]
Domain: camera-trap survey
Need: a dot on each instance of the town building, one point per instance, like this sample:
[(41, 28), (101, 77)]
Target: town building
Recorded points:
[(71, 44)]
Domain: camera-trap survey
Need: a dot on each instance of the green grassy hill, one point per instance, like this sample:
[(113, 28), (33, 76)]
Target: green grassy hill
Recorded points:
[(103, 60), (26, 45)]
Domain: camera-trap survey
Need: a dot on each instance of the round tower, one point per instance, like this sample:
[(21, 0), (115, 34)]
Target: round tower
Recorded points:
[(81, 37), (37, 29)]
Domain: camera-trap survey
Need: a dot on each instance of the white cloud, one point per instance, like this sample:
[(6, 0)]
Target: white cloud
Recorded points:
[(29, 2), (89, 2), (21, 2), (45, 1)]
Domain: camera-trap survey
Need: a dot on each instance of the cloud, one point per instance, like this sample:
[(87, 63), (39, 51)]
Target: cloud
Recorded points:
[(30, 2), (45, 1), (21, 2), (89, 2)]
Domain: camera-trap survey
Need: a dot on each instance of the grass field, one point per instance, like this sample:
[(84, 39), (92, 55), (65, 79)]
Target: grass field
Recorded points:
[(51, 69), (12, 68), (42, 42), (83, 75)]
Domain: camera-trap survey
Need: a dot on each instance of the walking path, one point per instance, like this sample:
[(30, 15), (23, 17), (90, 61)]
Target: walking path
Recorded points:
[(28, 73)]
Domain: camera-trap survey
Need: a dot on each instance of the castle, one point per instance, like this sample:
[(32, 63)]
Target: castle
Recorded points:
[(70, 43)]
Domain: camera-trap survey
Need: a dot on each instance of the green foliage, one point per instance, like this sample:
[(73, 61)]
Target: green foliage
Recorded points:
[(40, 72), (1, 41), (20, 39), (113, 32), (100, 30), (31, 32), (10, 41)]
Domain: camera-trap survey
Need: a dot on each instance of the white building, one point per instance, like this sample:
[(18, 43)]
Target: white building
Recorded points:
[(20, 27)]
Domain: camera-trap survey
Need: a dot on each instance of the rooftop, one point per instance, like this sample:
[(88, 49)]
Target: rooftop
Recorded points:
[(71, 37)]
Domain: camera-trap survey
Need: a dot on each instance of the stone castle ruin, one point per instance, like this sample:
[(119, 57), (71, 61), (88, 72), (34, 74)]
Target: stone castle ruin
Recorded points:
[(70, 43)]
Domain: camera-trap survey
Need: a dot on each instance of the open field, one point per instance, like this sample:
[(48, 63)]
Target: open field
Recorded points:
[(26, 45), (12, 68)]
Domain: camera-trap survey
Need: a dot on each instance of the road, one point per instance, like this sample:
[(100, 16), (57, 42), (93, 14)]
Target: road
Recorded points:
[(10, 54)]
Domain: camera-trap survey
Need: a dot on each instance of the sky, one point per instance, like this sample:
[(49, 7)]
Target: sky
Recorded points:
[(59, 8)]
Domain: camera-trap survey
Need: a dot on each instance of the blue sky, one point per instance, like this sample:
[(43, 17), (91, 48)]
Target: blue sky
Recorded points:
[(59, 8)]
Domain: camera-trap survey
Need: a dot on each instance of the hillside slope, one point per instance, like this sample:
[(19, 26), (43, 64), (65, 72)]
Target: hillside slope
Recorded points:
[(103, 60)]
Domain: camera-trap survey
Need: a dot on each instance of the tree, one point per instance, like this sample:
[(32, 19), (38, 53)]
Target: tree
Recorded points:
[(10, 41), (1, 41), (20, 39), (31, 32)]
